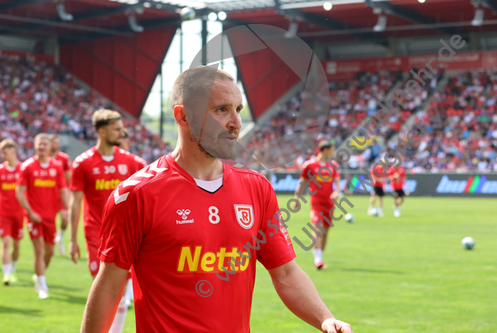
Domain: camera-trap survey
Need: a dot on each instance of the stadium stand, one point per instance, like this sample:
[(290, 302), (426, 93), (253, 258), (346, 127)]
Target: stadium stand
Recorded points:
[(37, 96), (462, 122)]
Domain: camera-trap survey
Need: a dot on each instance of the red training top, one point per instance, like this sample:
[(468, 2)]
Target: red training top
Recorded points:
[(178, 236), (9, 206)]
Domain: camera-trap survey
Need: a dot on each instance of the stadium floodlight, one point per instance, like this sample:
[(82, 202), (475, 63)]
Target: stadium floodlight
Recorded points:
[(327, 6), (135, 27), (309, 4), (421, 1), (61, 10), (147, 5), (478, 20), (212, 16), (382, 23), (222, 16)]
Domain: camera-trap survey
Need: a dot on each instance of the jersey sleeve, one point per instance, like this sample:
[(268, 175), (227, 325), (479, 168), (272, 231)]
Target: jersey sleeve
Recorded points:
[(61, 178), (23, 179), (278, 249), (66, 164), (122, 229), (303, 174), (78, 178), (141, 163)]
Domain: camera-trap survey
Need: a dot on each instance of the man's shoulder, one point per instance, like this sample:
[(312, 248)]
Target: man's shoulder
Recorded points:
[(151, 176), (62, 155), (26, 164), (308, 163), (246, 175), (83, 158)]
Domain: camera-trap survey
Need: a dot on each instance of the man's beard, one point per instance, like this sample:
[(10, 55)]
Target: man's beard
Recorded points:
[(113, 143), (212, 152)]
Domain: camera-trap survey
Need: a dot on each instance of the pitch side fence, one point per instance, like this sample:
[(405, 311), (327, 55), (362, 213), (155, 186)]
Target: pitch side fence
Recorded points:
[(440, 184)]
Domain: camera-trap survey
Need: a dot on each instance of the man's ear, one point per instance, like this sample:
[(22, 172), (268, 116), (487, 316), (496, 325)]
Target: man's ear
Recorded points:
[(179, 115)]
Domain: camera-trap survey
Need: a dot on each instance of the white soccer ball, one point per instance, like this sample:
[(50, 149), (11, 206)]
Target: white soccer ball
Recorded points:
[(187, 13), (373, 212), (468, 243), (349, 218)]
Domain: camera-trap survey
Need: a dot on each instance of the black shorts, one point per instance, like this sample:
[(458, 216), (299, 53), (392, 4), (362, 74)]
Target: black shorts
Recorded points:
[(399, 193), (379, 191)]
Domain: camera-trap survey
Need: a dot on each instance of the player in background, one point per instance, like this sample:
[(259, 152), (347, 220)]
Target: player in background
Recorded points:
[(125, 141), (321, 203), (379, 180), (11, 212), (397, 178), (95, 174), (128, 292), (65, 160), (40, 188), (182, 218)]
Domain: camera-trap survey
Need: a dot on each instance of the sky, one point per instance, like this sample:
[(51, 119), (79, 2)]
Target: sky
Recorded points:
[(192, 44)]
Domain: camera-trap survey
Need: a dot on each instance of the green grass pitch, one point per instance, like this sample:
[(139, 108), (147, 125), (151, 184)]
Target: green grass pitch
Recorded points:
[(407, 274)]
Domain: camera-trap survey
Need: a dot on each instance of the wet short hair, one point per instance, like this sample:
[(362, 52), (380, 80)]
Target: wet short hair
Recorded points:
[(324, 145), (7, 143), (52, 136), (199, 78), (104, 117)]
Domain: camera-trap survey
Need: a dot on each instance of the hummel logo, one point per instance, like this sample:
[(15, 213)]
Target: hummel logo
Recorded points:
[(183, 213)]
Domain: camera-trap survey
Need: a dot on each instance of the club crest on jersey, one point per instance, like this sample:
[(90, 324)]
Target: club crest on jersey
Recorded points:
[(244, 216), (52, 172), (122, 168)]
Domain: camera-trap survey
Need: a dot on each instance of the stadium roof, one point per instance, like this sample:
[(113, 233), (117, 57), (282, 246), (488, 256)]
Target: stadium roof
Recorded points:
[(347, 20)]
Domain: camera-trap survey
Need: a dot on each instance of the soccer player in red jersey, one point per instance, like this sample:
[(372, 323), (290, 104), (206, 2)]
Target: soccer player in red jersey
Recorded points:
[(95, 174), (40, 187), (379, 177), (397, 178), (188, 225), (11, 212), (321, 203), (65, 160)]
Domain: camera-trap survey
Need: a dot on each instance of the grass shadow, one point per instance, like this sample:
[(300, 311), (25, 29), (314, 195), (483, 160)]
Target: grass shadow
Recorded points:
[(26, 312)]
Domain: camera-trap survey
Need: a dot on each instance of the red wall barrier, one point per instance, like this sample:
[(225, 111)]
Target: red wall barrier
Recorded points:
[(338, 70), (123, 69)]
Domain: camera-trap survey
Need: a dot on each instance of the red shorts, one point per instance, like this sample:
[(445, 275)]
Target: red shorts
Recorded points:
[(46, 229), (92, 238), (12, 226), (319, 214)]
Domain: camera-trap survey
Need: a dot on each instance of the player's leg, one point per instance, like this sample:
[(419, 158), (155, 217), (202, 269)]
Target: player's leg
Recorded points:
[(49, 232), (39, 266), (380, 206), (16, 250), (64, 220), (6, 259), (15, 259), (372, 199), (396, 210)]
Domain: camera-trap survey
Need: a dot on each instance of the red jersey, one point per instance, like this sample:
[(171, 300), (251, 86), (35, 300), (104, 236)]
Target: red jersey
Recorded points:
[(9, 206), (322, 197), (176, 235), (64, 159), (97, 178), (397, 183), (43, 185), (379, 171)]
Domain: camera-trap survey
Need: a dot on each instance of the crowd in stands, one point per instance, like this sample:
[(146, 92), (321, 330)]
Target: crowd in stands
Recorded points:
[(40, 97), (462, 126), (349, 103)]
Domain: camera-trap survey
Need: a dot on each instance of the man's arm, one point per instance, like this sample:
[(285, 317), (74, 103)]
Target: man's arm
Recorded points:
[(64, 197), (303, 184), (20, 190), (68, 176), (74, 214), (105, 294), (336, 192), (300, 296)]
